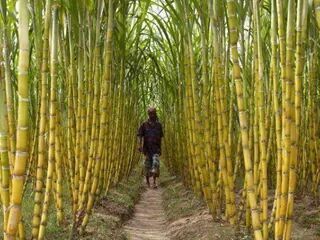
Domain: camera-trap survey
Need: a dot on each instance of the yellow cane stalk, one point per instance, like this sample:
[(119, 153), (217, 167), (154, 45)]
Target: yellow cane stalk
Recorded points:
[(104, 94), (4, 152), (52, 122), (22, 147), (42, 127), (262, 128), (233, 37)]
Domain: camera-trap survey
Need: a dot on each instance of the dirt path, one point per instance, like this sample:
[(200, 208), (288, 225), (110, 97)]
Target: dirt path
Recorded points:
[(148, 221)]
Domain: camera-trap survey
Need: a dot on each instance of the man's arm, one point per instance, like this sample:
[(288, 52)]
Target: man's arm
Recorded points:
[(140, 136), (161, 131), (140, 144), (161, 136)]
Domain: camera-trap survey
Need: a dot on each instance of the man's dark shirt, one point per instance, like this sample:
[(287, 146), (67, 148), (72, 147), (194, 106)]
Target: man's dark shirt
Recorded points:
[(151, 131)]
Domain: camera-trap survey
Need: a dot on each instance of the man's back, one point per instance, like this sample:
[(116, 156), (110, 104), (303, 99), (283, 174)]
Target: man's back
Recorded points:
[(152, 132)]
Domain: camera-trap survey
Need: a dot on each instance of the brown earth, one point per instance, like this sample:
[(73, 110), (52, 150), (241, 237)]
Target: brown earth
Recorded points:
[(149, 221)]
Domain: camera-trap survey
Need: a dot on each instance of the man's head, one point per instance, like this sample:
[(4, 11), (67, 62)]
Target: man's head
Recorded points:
[(152, 113)]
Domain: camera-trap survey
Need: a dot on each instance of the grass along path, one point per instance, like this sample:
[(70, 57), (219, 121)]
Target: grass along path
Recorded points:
[(109, 213), (188, 217), (114, 209)]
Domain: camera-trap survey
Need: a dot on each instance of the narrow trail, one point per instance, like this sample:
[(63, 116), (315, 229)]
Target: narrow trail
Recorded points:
[(148, 221)]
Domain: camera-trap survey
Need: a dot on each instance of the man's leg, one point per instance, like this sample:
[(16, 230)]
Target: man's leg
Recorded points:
[(155, 182), (147, 165), (147, 180), (155, 169)]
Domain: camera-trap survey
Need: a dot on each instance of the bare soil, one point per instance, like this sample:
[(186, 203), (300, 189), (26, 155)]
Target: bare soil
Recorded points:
[(149, 221), (306, 219)]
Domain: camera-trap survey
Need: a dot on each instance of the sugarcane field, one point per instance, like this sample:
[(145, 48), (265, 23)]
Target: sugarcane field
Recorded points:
[(160, 119)]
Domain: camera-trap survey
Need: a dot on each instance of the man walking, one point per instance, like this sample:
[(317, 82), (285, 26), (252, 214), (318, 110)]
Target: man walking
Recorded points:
[(150, 133)]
